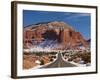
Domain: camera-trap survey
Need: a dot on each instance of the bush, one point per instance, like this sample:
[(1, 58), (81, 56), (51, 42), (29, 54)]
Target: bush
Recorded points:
[(42, 62), (86, 57)]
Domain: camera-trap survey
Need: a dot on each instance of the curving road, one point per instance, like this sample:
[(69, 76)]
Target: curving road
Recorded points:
[(59, 63)]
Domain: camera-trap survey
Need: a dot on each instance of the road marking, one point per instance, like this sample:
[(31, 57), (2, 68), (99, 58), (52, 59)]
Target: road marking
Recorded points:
[(59, 62)]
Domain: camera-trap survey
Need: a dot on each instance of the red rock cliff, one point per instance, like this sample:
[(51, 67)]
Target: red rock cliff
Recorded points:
[(63, 33)]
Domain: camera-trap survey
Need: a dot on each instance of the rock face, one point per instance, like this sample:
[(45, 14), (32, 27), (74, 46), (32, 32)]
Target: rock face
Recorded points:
[(57, 35)]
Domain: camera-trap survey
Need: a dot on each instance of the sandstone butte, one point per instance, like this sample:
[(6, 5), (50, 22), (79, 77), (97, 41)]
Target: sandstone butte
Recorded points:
[(65, 35)]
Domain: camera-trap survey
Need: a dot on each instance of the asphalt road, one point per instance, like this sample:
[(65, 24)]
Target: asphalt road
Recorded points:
[(59, 63)]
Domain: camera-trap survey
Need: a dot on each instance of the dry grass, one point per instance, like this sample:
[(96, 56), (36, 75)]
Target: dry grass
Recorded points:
[(86, 57), (29, 61)]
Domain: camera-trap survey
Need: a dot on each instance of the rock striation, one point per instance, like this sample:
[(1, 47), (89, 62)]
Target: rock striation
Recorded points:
[(64, 36)]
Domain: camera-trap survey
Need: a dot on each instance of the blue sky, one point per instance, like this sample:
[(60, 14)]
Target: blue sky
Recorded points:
[(81, 22)]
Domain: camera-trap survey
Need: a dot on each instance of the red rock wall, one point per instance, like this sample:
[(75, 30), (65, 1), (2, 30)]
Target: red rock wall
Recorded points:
[(66, 36)]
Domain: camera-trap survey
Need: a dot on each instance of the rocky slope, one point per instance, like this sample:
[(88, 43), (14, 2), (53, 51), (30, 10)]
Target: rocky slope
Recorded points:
[(53, 35)]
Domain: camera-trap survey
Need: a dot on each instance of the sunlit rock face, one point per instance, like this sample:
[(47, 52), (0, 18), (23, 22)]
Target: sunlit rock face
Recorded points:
[(52, 35)]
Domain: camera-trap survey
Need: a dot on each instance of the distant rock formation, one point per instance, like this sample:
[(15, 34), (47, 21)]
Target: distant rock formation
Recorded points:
[(64, 35)]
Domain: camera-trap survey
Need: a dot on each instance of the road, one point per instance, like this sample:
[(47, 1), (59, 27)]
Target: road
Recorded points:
[(59, 63)]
